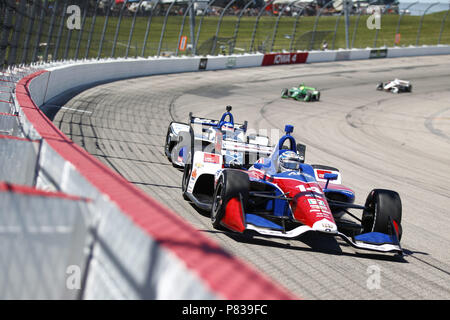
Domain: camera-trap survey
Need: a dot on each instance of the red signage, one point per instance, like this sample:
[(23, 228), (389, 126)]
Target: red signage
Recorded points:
[(271, 59), (211, 158), (321, 173)]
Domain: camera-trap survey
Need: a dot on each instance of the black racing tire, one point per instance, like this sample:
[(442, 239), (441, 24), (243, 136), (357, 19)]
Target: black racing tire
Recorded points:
[(185, 180), (231, 184), (308, 96), (167, 149), (380, 205), (409, 88), (380, 86), (318, 97), (285, 93)]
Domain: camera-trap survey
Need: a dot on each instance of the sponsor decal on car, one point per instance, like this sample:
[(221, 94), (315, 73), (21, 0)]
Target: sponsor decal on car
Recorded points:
[(211, 158), (321, 173)]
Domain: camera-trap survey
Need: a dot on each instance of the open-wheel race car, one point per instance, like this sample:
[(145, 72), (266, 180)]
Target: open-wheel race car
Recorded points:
[(281, 196), (301, 92), (205, 132), (395, 86)]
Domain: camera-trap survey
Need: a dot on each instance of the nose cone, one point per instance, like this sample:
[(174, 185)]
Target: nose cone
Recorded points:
[(326, 226)]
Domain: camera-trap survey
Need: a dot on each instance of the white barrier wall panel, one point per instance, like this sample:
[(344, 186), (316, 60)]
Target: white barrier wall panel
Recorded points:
[(128, 264), (68, 77), (18, 161), (321, 56), (359, 54), (397, 52), (38, 88), (5, 107), (228, 62), (41, 238)]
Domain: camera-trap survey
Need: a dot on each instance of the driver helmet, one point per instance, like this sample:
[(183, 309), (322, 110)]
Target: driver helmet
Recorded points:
[(227, 127), (288, 161)]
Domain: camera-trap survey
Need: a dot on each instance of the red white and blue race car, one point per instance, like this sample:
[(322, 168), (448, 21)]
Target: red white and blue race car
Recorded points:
[(281, 196)]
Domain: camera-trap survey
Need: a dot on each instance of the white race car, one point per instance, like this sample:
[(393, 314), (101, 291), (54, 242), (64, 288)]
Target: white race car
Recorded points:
[(205, 132), (395, 86)]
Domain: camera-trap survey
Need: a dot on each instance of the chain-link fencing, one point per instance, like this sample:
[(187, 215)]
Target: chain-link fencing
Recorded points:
[(51, 30)]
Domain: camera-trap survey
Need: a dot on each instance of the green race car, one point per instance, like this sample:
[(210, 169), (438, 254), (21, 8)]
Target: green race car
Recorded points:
[(301, 92)]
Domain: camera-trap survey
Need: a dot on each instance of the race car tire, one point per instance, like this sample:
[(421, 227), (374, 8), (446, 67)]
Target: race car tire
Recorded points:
[(284, 93), (380, 86), (318, 97), (409, 88), (185, 180), (167, 147), (381, 206), (308, 96), (231, 184)]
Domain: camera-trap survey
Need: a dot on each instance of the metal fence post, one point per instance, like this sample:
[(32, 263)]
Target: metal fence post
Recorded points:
[(7, 26), (443, 24), (39, 33), (16, 33), (256, 23), (133, 23), (163, 31), (91, 31), (29, 32), (275, 28), (60, 30), (401, 16), (192, 24), (294, 28), (147, 29), (80, 34), (218, 26), (421, 21), (347, 4), (316, 23), (200, 26), (50, 30), (191, 3), (236, 27), (335, 30), (105, 25), (116, 35), (355, 28)]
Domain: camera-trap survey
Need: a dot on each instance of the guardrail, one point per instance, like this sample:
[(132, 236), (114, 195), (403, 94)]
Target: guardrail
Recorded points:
[(72, 228)]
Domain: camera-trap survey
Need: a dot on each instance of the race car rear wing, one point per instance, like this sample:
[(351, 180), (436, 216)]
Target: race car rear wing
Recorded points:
[(216, 123), (245, 153)]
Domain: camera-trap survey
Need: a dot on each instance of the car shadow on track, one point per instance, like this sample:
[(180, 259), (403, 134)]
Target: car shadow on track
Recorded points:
[(308, 242), (312, 242)]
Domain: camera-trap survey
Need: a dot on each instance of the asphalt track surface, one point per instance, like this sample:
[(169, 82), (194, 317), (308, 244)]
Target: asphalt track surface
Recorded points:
[(376, 139)]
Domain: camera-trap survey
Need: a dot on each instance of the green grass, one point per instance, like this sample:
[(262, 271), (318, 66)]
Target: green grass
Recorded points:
[(265, 39)]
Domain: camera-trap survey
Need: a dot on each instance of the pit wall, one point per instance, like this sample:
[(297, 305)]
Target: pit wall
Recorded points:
[(128, 246)]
